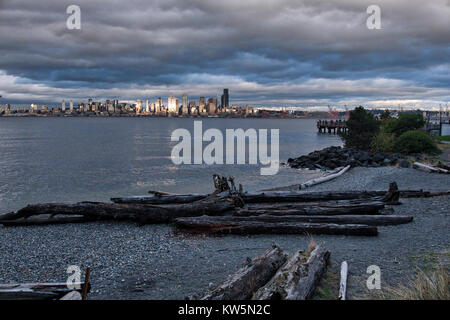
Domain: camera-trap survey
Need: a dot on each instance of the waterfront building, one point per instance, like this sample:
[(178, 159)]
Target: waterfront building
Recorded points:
[(147, 106), (33, 108), (192, 108), (138, 106), (225, 99), (172, 105), (212, 106), (158, 106), (63, 106), (184, 109), (71, 106)]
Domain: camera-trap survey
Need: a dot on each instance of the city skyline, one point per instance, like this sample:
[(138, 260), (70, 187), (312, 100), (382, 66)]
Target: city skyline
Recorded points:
[(305, 54)]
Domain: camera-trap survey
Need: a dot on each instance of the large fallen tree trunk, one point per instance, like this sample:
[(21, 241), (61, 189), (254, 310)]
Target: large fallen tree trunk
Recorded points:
[(292, 196), (161, 199), (298, 278), (258, 227), (316, 181), (314, 209), (44, 221), (371, 220), (422, 194), (360, 208), (253, 275), (279, 196), (211, 205)]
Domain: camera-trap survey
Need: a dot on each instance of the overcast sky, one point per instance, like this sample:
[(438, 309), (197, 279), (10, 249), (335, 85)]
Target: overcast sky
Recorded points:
[(274, 53)]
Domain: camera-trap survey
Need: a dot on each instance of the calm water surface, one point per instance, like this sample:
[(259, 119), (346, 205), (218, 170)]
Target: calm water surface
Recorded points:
[(76, 159)]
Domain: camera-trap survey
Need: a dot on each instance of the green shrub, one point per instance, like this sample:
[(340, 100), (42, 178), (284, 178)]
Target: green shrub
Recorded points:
[(416, 142), (386, 115), (362, 127), (383, 142), (405, 122)]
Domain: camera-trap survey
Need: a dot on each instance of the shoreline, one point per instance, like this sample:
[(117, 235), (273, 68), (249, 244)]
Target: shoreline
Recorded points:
[(153, 262)]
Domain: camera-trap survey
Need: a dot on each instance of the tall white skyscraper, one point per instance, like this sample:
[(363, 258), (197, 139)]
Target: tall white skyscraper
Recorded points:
[(138, 106), (63, 106), (172, 104), (71, 105), (184, 109)]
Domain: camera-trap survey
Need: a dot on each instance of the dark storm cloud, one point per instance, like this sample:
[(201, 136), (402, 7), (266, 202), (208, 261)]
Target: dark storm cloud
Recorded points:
[(260, 49)]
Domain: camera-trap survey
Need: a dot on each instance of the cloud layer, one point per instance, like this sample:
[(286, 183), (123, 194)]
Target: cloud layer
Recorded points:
[(280, 52)]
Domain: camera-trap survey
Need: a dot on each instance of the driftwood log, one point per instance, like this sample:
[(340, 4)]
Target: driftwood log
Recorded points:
[(253, 275), (259, 227), (298, 278), (286, 196), (45, 221), (326, 178), (211, 205), (36, 291), (315, 209), (343, 281), (429, 168), (161, 199), (371, 220)]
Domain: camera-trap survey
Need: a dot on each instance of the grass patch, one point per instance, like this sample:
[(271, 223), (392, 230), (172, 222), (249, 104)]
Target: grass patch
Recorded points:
[(425, 286), (328, 288)]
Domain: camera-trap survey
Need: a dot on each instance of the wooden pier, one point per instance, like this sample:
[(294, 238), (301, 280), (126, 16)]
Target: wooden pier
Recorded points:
[(331, 126)]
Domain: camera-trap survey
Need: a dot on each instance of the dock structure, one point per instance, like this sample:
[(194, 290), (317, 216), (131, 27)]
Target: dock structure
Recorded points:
[(331, 126)]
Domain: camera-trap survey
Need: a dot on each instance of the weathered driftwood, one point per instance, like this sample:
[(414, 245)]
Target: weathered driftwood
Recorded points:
[(45, 221), (277, 287), (392, 196), (316, 266), (277, 196), (35, 291), (212, 205), (371, 220), (257, 227), (343, 281), (359, 208), (422, 194), (316, 181), (253, 275), (298, 278), (161, 199), (428, 168)]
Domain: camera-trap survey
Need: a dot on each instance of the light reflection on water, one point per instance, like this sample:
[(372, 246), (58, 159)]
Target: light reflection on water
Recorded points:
[(75, 159)]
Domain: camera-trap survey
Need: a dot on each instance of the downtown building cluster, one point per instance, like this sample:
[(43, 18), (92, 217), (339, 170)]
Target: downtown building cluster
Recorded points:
[(173, 106)]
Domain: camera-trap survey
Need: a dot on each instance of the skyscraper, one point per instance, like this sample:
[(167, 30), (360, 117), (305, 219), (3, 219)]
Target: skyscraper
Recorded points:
[(172, 104), (138, 106), (225, 99), (184, 109), (63, 106)]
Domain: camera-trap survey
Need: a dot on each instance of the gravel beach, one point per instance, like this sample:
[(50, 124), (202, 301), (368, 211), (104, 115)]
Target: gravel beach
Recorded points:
[(151, 262)]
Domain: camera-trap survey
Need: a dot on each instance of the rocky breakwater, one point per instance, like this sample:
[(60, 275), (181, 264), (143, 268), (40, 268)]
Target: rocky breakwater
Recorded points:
[(333, 157)]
